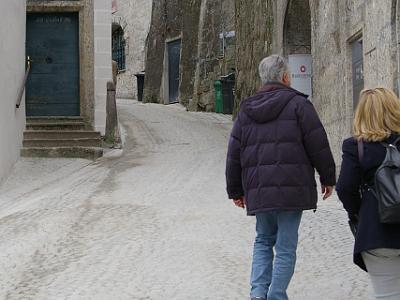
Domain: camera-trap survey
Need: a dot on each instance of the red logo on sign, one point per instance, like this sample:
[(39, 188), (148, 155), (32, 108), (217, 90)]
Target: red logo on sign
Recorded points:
[(303, 69)]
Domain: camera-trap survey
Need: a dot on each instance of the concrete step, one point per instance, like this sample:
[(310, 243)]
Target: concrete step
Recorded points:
[(62, 142), (52, 119), (56, 126), (60, 134), (60, 137), (70, 152), (55, 123)]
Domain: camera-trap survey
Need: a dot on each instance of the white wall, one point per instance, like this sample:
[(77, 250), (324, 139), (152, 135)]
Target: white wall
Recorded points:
[(12, 69), (102, 59)]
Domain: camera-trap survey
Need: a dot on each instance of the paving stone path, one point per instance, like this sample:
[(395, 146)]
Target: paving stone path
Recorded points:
[(153, 222)]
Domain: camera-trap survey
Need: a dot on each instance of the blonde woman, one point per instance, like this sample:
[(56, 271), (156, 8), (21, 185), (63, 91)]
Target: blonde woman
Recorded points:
[(377, 245)]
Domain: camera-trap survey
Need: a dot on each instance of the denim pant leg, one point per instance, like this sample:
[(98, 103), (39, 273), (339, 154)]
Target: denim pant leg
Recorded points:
[(285, 253), (263, 255)]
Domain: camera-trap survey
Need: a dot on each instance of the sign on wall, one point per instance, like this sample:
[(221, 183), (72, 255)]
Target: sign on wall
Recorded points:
[(114, 6), (301, 69)]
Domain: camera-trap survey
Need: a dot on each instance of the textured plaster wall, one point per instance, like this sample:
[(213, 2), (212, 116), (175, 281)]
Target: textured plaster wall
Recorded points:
[(334, 25), (254, 41), (12, 69), (102, 60), (134, 17)]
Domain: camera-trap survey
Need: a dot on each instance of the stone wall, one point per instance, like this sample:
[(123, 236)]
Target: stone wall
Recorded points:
[(199, 24), (297, 37), (334, 26), (166, 24), (254, 41), (216, 23), (190, 37), (134, 18), (12, 71)]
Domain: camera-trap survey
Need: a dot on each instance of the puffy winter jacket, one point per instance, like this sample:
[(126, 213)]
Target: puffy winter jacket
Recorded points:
[(276, 142)]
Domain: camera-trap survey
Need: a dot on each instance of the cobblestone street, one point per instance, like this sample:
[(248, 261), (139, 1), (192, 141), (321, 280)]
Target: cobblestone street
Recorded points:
[(153, 222)]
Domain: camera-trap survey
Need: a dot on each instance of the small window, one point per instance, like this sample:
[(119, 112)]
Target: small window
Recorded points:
[(358, 70), (118, 48), (226, 40), (221, 53)]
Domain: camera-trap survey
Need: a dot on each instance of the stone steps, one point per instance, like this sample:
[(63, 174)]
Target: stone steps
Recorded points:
[(64, 134), (60, 137), (92, 153), (73, 123), (56, 126), (62, 142)]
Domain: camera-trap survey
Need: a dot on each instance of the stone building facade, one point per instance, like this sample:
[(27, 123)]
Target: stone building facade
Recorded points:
[(68, 47), (69, 43), (130, 27), (352, 44), (93, 63), (12, 64), (194, 43)]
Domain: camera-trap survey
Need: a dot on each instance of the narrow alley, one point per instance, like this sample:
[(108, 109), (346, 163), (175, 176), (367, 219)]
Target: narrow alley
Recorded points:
[(152, 221)]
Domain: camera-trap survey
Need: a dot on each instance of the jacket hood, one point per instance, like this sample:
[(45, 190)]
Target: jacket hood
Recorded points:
[(267, 104)]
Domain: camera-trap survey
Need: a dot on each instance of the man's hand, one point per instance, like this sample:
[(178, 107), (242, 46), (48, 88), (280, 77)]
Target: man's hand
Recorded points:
[(240, 202), (326, 191)]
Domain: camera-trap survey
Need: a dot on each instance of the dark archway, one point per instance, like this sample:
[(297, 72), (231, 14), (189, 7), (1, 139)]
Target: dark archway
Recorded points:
[(297, 28), (297, 44), (118, 46)]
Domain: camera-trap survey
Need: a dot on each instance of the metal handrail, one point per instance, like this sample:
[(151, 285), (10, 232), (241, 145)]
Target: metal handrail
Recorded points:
[(22, 89)]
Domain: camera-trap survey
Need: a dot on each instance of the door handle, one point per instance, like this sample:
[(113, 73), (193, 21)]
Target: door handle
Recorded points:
[(29, 60)]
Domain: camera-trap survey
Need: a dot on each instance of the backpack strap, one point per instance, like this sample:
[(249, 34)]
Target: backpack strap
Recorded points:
[(360, 146), (396, 141), (391, 145)]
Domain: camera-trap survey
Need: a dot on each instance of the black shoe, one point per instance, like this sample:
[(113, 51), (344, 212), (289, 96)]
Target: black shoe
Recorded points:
[(258, 298)]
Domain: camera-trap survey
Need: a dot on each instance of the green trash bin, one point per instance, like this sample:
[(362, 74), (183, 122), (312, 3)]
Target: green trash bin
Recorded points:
[(218, 96)]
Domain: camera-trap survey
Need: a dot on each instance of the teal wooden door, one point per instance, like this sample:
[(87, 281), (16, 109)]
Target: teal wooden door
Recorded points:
[(52, 42)]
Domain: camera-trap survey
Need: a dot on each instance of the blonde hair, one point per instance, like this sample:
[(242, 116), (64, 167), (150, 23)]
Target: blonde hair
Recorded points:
[(377, 115)]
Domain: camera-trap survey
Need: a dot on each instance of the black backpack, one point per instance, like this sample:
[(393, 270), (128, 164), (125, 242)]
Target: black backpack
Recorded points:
[(387, 183)]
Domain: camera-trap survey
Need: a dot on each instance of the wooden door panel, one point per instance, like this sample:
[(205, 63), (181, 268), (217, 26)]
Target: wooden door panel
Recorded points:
[(53, 45)]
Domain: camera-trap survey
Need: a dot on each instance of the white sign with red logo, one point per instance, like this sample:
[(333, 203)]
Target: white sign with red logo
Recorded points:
[(301, 69), (114, 6)]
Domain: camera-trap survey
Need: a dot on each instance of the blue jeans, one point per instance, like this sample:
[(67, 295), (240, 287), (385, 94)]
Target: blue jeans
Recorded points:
[(270, 276)]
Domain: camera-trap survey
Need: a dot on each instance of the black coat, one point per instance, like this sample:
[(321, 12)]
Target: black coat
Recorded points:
[(371, 233), (276, 142)]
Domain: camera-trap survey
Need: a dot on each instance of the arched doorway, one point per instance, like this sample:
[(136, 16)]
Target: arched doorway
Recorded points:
[(297, 44), (118, 46)]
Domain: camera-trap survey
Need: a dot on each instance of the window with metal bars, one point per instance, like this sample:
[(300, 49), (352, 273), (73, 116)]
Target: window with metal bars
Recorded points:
[(118, 48)]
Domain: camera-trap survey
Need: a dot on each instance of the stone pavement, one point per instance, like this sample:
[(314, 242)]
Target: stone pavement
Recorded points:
[(153, 222)]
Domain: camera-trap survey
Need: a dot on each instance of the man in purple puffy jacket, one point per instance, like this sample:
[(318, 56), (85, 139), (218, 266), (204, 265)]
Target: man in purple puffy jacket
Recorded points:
[(277, 142)]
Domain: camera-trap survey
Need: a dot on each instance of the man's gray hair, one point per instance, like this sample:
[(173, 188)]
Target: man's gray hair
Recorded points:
[(272, 68)]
